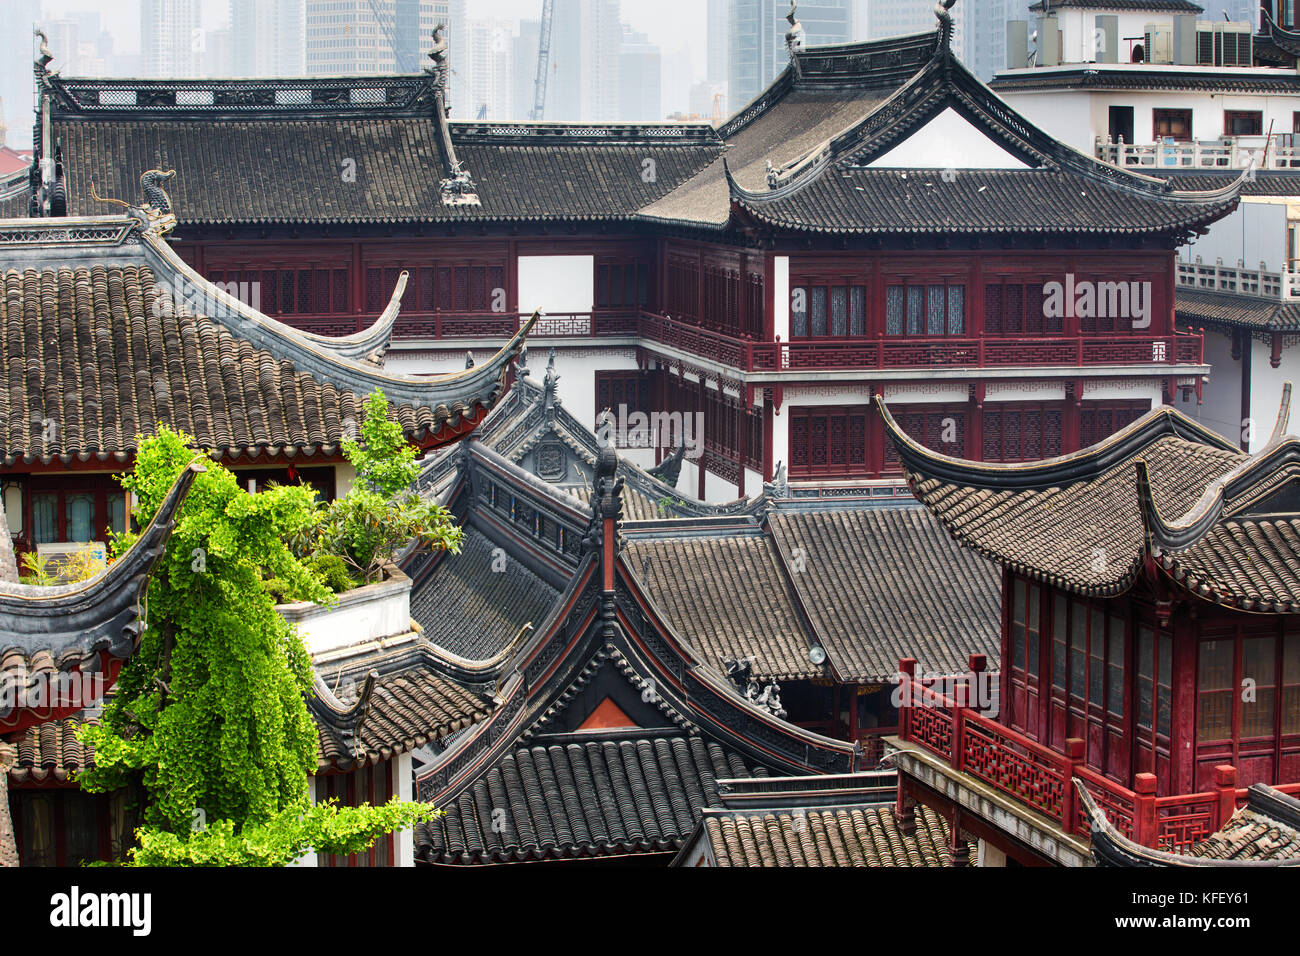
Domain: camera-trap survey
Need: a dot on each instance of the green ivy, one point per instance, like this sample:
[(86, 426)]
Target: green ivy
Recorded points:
[(382, 513), (209, 715)]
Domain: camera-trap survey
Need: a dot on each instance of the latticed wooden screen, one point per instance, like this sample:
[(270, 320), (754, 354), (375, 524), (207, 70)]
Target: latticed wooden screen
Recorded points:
[(829, 441), (939, 430), (1013, 309), (446, 288), (1018, 433), (1099, 422)]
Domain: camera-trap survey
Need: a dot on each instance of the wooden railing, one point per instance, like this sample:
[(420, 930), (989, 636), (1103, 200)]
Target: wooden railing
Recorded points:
[(1200, 276), (822, 354), (1238, 153), (1042, 778)]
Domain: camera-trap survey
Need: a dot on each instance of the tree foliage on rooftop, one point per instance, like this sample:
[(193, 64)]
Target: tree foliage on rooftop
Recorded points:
[(382, 512), (209, 718)]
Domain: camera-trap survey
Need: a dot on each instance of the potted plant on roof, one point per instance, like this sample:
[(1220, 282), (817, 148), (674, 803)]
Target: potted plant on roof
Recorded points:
[(357, 537)]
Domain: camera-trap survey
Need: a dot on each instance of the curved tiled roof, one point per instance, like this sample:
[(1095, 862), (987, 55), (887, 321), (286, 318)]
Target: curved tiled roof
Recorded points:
[(854, 837), (583, 797), (49, 754), (872, 580), (475, 603), (96, 354), (1252, 563), (1237, 311), (397, 712), (1224, 525), (729, 597)]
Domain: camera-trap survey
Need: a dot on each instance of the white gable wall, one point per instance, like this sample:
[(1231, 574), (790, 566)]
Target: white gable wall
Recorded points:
[(949, 141)]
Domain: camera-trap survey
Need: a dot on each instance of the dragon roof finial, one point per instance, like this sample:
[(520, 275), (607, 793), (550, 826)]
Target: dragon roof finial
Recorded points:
[(941, 12), (794, 37)]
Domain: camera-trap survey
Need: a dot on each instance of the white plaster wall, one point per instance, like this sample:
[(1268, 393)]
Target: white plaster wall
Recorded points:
[(308, 859), (948, 141), (1254, 232), (1147, 389), (1067, 116), (753, 483), (781, 438), (1078, 117), (557, 283), (1266, 390), (345, 476), (781, 297), (828, 395), (907, 394), (1220, 408), (576, 367), (577, 371), (364, 614), (1031, 392), (403, 789)]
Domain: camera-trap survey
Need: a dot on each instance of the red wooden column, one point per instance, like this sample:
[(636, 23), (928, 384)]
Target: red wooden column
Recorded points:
[(1182, 703), (1225, 788), (1144, 809), (1074, 757)]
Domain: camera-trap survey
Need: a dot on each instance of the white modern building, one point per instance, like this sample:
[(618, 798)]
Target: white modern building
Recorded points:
[(1160, 87)]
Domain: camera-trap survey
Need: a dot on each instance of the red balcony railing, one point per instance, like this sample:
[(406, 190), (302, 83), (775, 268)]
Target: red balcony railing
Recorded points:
[(821, 354), (1041, 778)]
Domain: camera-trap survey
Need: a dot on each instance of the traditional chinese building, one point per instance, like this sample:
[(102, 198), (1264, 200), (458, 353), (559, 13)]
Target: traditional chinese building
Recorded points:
[(108, 334), (1149, 645), (833, 587), (876, 222)]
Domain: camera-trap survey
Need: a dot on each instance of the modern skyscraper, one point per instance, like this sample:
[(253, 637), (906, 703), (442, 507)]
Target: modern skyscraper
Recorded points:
[(584, 82), (640, 78), (757, 52), (269, 37), (981, 33), (172, 39), (524, 45), (485, 70), (345, 37)]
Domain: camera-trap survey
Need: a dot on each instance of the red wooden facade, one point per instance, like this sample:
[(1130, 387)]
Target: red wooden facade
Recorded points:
[(850, 311)]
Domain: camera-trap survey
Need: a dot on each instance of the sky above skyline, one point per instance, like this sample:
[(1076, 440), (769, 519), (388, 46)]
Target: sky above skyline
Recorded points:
[(672, 24)]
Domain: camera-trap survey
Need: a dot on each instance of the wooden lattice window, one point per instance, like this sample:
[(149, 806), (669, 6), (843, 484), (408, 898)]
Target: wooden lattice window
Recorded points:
[(1097, 421), (445, 288), (630, 388), (829, 442), (287, 291), (937, 428), (622, 285), (925, 309), (1021, 433), (825, 307), (1015, 308)]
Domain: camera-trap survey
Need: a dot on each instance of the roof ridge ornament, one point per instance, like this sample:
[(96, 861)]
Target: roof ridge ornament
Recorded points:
[(941, 12), (438, 54), (794, 37), (155, 213)]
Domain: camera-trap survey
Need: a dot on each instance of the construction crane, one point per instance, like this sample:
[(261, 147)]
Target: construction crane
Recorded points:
[(543, 61)]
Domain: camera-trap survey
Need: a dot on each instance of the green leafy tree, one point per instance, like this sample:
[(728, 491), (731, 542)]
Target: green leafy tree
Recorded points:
[(382, 512), (208, 719)]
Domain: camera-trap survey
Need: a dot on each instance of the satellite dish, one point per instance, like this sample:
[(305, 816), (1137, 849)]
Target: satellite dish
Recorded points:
[(817, 654)]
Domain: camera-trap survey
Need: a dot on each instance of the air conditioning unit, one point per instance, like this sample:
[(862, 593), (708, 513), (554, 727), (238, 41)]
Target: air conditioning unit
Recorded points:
[(58, 553), (1224, 44), (1159, 43)]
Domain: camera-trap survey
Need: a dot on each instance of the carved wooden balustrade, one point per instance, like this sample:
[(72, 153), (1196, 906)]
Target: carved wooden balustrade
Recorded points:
[(1041, 778), (822, 354)]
